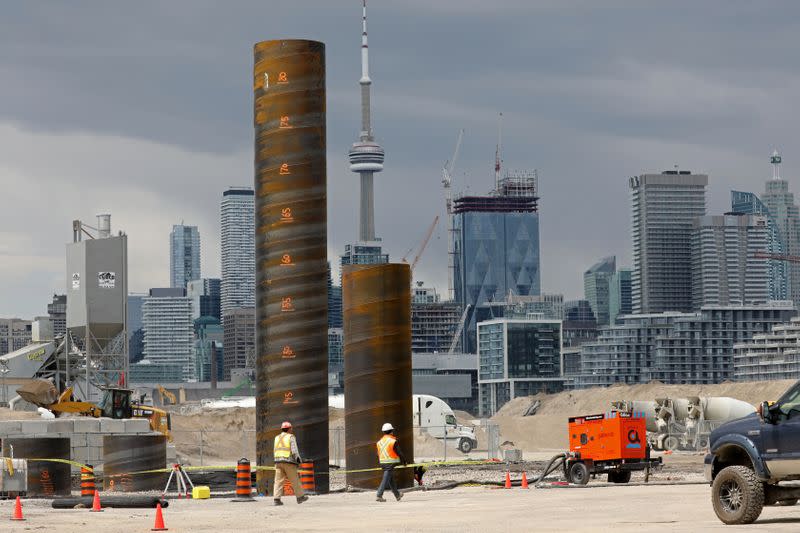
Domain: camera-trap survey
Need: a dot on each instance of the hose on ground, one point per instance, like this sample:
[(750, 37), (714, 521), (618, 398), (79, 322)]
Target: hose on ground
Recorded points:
[(558, 460)]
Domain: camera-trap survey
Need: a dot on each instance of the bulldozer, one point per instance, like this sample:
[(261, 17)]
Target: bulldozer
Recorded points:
[(116, 403)]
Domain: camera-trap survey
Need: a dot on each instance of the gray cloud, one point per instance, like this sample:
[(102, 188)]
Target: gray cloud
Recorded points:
[(144, 109)]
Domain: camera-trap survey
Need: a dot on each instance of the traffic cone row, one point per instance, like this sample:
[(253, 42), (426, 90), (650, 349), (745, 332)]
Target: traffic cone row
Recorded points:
[(508, 480), (158, 526)]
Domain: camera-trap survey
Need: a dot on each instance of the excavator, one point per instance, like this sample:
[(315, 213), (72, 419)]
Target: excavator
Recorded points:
[(116, 403)]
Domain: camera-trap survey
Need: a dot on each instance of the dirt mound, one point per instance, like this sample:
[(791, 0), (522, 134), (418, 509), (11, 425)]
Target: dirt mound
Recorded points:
[(547, 429)]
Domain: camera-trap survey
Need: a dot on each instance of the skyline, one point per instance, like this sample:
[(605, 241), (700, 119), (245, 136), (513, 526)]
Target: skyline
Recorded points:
[(153, 126)]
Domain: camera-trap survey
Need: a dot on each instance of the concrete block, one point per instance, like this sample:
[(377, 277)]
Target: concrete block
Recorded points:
[(109, 425), (137, 425), (94, 440), (34, 427), (81, 455), (65, 426), (95, 455), (87, 425), (10, 428), (78, 440)]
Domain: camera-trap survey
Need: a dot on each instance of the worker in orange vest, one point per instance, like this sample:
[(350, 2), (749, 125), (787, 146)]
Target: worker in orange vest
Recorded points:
[(287, 457), (389, 456)]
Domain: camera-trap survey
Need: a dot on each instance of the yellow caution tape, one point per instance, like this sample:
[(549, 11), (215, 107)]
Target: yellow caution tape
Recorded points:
[(48, 460)]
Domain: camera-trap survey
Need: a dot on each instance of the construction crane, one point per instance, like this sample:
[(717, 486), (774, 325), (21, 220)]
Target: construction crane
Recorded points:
[(460, 328), (777, 257), (447, 178), (424, 244)]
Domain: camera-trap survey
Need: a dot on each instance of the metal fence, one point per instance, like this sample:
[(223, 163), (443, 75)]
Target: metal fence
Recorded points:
[(217, 447)]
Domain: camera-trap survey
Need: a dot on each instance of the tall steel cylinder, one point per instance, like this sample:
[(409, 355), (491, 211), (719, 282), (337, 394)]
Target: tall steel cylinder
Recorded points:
[(291, 251), (376, 301), (46, 479)]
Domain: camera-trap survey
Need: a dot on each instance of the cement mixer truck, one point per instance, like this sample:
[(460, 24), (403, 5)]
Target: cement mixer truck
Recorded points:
[(685, 423)]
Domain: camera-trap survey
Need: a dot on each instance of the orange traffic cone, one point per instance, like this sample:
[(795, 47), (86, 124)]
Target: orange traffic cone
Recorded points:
[(96, 503), (524, 481), (17, 510), (159, 525), (508, 481)]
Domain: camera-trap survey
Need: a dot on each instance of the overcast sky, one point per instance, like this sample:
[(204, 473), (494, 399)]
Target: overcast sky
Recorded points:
[(144, 109)]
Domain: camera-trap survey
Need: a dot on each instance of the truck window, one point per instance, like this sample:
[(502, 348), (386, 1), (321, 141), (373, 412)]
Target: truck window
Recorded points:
[(790, 403), (450, 420)]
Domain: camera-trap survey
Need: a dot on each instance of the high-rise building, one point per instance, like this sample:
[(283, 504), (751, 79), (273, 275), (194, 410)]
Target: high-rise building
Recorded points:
[(748, 203), (433, 325), (769, 356), (596, 287), (237, 220), (334, 302), (57, 310), (335, 360), (239, 342), (135, 327), (676, 348), (726, 269), (208, 345), (168, 336), (184, 255), (14, 334), (619, 295), (781, 205), (663, 207), (580, 324), (517, 358), (205, 296), (496, 247)]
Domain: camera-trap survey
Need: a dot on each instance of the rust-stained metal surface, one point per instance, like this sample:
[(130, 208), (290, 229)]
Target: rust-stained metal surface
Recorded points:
[(376, 301), (125, 454), (45, 479), (291, 251)]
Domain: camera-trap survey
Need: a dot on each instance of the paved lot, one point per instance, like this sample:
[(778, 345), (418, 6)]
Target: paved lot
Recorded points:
[(599, 508)]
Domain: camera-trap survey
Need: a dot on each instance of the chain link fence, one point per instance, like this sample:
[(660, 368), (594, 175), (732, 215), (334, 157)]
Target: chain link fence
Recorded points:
[(431, 443)]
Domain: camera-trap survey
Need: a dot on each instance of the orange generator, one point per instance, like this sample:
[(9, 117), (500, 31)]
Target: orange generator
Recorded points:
[(613, 443)]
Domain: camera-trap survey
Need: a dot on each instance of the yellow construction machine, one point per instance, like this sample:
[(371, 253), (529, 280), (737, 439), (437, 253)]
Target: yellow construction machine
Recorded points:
[(116, 403)]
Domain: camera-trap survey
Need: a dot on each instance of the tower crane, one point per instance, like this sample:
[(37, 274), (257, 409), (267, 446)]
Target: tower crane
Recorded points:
[(424, 244), (447, 178), (777, 257)]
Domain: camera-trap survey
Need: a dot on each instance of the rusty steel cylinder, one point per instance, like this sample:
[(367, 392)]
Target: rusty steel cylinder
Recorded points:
[(291, 252), (376, 302), (46, 479)]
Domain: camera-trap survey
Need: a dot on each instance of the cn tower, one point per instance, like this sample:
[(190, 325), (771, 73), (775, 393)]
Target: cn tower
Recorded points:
[(366, 156)]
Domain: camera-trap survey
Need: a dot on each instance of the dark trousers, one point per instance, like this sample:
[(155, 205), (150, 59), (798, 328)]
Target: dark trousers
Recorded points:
[(388, 482)]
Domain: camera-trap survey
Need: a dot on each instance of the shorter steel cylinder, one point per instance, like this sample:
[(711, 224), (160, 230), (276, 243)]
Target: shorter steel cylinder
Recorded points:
[(377, 367), (124, 456), (244, 483)]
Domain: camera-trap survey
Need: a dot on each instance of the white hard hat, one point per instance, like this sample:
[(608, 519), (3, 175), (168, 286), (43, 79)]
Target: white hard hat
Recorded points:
[(387, 427)]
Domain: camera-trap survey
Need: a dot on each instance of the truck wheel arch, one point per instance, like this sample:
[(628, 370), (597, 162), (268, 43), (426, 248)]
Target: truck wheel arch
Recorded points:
[(732, 454)]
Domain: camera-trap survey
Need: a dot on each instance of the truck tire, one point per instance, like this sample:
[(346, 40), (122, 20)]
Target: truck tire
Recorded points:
[(465, 445), (737, 495), (578, 474), (619, 476), (671, 443)]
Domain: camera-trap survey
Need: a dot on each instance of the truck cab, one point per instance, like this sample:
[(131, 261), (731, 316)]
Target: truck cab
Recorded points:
[(437, 418), (749, 458)]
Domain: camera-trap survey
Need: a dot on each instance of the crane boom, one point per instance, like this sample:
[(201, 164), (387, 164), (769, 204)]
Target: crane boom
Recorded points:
[(425, 242), (460, 328), (777, 257)]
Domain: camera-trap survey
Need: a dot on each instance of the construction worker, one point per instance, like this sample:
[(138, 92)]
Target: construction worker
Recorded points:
[(287, 457), (389, 456)]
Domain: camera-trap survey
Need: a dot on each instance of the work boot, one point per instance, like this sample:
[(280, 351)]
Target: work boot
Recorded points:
[(399, 496), (302, 499), (278, 502), (380, 499)]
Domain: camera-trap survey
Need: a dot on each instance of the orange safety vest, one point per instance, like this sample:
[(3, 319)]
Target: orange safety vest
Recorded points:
[(386, 453)]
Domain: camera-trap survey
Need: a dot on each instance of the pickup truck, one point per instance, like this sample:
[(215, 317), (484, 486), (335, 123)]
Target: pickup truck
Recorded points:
[(752, 461)]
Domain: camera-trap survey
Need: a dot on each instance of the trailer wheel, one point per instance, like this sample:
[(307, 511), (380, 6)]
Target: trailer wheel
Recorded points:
[(465, 445), (619, 476), (579, 474), (737, 495)]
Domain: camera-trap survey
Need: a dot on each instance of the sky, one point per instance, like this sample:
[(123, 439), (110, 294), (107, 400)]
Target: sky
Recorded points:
[(144, 110)]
